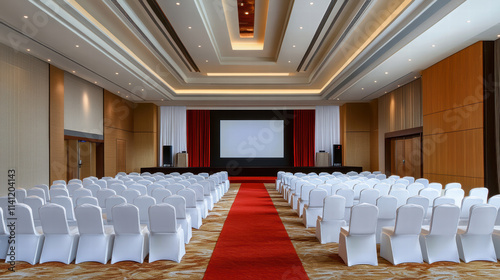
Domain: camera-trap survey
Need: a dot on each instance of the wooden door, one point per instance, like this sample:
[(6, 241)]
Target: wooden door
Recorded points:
[(85, 159), (72, 158), (406, 156)]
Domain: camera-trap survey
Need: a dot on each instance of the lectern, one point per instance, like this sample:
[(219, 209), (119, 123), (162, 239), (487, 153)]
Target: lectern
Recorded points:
[(322, 159), (181, 160)]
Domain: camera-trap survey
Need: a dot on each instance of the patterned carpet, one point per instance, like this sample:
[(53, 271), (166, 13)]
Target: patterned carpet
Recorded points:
[(319, 261)]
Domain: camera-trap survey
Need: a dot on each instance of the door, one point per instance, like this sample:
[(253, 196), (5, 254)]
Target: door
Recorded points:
[(406, 156)]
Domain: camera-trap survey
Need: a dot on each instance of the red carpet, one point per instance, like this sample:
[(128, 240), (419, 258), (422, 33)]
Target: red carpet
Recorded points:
[(253, 243), (241, 179)]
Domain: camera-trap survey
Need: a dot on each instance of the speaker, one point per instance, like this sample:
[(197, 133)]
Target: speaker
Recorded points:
[(167, 155), (337, 155)]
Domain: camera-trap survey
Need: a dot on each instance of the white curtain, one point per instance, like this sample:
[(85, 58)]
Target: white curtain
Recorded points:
[(173, 129), (327, 128)]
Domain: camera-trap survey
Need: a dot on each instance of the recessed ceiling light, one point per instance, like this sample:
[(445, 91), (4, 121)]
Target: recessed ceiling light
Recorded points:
[(415, 77), (409, 59), (468, 21), (162, 99), (399, 85), (199, 46), (77, 46), (374, 81), (129, 84), (48, 60), (28, 50), (189, 27), (206, 60), (311, 3), (73, 71), (241, 4), (289, 61), (338, 98), (142, 89), (95, 82), (116, 73), (25, 16), (118, 91), (246, 13), (177, 3), (433, 46), (293, 46), (386, 73), (301, 27), (362, 88), (498, 35), (386, 92), (126, 96)]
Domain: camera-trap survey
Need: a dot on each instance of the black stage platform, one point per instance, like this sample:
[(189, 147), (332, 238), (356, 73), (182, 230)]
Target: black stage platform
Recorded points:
[(251, 171)]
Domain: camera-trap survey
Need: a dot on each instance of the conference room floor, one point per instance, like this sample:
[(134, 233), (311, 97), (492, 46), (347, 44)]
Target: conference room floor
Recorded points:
[(320, 261)]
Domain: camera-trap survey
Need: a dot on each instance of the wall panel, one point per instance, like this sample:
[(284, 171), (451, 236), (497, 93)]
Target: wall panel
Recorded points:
[(355, 131)]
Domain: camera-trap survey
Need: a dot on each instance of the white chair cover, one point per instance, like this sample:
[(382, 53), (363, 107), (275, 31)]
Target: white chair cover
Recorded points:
[(153, 186), (387, 206), (326, 187), (143, 202), (131, 239), (102, 183), (80, 192), (400, 244), (29, 240), (431, 194), (130, 195), (58, 192), (314, 208), (37, 192), (328, 226), (467, 203), (166, 240), (200, 201), (423, 181), (144, 182), (436, 186), (68, 205), (495, 201), (383, 188), (96, 240), (20, 194), (410, 179), (191, 207), (453, 186), (159, 194), (77, 181), (419, 200), (118, 188), (183, 218), (174, 188), (480, 192), (414, 188), (101, 196), (438, 241), (93, 188), (348, 194), (303, 199), (142, 189), (369, 196), (71, 187), (34, 202), (110, 203), (443, 200), (45, 189), (60, 240), (401, 195), (357, 244), (456, 193), (402, 181), (358, 188)]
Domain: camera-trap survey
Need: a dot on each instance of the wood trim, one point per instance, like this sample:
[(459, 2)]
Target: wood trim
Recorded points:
[(416, 131), (405, 132), (68, 137)]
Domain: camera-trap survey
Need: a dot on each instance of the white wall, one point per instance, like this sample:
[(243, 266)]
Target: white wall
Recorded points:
[(24, 119), (83, 105)]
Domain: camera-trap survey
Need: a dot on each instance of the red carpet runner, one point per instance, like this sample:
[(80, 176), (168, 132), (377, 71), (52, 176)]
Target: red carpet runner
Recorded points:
[(253, 243)]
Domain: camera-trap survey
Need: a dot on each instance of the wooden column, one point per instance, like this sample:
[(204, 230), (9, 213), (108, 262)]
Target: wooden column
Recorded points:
[(57, 155)]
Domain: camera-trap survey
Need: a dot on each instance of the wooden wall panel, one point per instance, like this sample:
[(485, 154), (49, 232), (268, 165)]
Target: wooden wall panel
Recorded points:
[(374, 153), (145, 136), (357, 149), (453, 119), (58, 170), (355, 133)]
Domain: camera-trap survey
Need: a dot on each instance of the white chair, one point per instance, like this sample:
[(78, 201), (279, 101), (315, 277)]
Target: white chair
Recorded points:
[(402, 181), (443, 200), (423, 181), (78, 181), (398, 186), (29, 240), (314, 208), (431, 194), (475, 241), (191, 207), (102, 183), (130, 195), (118, 188), (348, 194), (387, 206), (383, 188), (303, 199), (45, 189), (20, 194), (455, 193), (58, 192), (96, 239), (71, 187), (438, 241), (68, 205), (101, 196), (144, 182), (4, 237), (357, 190), (80, 192), (153, 186), (174, 188), (419, 200), (131, 238), (410, 179), (200, 201), (143, 202), (185, 183), (357, 244), (183, 218), (328, 226), (60, 239), (480, 192), (93, 188), (414, 188), (467, 203), (436, 186), (400, 244), (401, 195), (87, 200), (110, 203), (453, 186), (142, 189), (160, 194), (34, 203), (326, 187), (380, 176), (207, 194), (166, 241), (37, 192), (495, 201), (369, 196)]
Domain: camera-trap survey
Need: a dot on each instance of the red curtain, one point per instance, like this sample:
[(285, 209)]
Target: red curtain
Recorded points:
[(303, 137), (198, 138)]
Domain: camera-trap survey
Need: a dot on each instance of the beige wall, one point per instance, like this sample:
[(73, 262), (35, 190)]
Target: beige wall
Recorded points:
[(24, 119)]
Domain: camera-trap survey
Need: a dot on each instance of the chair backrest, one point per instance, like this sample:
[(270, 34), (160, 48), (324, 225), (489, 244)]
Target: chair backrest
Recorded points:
[(192, 180), (37, 192), (3, 230), (206, 187), (101, 196), (401, 194), (142, 189), (126, 219), (58, 192), (174, 188), (455, 193), (326, 187), (87, 200), (20, 194), (162, 218), (419, 200), (316, 181), (144, 182), (102, 183), (114, 181), (436, 186), (369, 196), (160, 194), (383, 188), (402, 181), (409, 219), (179, 202), (363, 219), (118, 188), (198, 189), (143, 203), (45, 188), (444, 219), (24, 219), (480, 192), (333, 207), (467, 203), (130, 195), (53, 219), (442, 200), (71, 187), (78, 181), (190, 196), (381, 176), (495, 201), (316, 197), (163, 183), (371, 182), (423, 181), (410, 179), (89, 219), (453, 186), (111, 202), (482, 219), (87, 181), (398, 186), (352, 173), (153, 186), (395, 177), (348, 194), (430, 193), (129, 183), (358, 188), (305, 189), (34, 202), (68, 205), (352, 183), (333, 181), (414, 188), (387, 205), (185, 183)]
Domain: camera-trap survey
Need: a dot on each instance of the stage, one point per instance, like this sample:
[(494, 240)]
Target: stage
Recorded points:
[(252, 171)]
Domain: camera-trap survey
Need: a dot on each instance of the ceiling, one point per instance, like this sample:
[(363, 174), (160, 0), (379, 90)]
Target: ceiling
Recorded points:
[(302, 53)]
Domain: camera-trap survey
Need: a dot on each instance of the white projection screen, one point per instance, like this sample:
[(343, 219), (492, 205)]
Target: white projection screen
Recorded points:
[(252, 139)]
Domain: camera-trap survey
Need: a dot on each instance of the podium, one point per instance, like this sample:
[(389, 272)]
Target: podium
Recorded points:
[(181, 160), (322, 159)]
